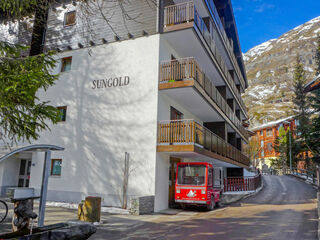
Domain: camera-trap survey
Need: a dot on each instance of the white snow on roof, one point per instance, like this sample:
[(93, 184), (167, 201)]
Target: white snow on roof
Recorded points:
[(308, 69), (312, 81), (270, 124)]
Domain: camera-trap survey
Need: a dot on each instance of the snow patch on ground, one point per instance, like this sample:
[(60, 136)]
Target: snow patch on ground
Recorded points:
[(305, 27), (112, 210), (308, 69), (258, 50), (260, 92), (258, 74)]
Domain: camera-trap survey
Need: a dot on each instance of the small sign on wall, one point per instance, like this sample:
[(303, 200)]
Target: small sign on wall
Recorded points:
[(111, 82)]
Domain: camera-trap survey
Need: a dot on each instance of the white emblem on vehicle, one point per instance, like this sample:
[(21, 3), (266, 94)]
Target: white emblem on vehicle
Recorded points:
[(191, 194)]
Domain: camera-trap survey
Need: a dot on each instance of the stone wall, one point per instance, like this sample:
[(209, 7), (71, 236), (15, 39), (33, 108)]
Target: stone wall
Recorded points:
[(142, 205)]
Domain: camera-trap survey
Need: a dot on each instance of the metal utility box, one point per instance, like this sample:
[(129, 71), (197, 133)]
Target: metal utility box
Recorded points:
[(20, 193)]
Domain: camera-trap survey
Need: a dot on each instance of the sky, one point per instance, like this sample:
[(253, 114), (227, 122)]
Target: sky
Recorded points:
[(261, 20)]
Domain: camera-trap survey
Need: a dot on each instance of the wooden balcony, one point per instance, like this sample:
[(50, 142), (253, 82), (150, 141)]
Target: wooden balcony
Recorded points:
[(178, 16), (185, 15), (190, 136), (186, 73)]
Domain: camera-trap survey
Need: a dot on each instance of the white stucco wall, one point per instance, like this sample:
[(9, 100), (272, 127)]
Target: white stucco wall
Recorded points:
[(162, 182), (103, 124), (9, 173)]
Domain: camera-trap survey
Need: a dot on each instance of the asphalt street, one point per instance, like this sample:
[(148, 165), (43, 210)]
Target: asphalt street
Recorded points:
[(284, 209)]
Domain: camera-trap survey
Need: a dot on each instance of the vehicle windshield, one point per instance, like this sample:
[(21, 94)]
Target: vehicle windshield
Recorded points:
[(192, 175)]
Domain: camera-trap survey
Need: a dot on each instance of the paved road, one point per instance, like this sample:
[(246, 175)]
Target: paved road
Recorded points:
[(284, 210)]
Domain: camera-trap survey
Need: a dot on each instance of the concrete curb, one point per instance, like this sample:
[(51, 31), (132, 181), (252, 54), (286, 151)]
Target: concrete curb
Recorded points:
[(303, 179)]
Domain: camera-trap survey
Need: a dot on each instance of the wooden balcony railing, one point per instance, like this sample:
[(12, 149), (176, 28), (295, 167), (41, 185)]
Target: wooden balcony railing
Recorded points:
[(188, 68), (189, 132), (187, 12), (178, 14), (236, 184)]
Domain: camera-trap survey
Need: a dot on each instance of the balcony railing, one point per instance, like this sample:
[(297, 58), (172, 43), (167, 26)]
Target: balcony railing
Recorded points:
[(189, 132), (236, 184), (182, 13), (188, 68), (228, 42), (179, 13)]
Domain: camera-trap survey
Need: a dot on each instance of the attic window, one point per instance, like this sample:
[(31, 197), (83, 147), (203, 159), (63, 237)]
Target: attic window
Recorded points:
[(70, 18), (66, 64)]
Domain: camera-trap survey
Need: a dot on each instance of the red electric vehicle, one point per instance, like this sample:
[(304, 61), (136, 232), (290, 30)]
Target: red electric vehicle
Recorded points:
[(198, 183)]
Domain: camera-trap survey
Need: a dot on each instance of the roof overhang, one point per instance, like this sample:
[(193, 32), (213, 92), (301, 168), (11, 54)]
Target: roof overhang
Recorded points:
[(8, 152), (313, 85)]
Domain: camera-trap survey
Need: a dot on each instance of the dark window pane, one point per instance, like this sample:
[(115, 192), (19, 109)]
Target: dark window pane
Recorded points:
[(22, 167), (70, 18), (27, 183), (29, 168), (20, 183), (63, 113), (56, 167), (66, 64)]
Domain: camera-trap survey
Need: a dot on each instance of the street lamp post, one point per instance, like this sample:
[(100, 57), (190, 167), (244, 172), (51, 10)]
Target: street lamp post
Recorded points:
[(290, 150), (290, 147)]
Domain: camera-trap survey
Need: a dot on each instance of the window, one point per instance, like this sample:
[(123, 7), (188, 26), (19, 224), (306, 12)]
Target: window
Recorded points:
[(297, 122), (63, 113), (269, 146), (261, 133), (70, 18), (192, 175), (262, 148), (66, 64), (210, 176), (56, 167), (269, 132), (175, 114)]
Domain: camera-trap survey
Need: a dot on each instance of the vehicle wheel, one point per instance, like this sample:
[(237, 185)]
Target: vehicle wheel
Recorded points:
[(3, 211), (217, 204), (210, 207), (183, 206)]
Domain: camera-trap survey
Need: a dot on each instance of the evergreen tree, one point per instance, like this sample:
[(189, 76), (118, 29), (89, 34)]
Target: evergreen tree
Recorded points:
[(302, 103), (314, 142), (22, 114)]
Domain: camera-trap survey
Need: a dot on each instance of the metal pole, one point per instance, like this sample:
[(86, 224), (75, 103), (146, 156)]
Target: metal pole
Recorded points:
[(44, 188), (290, 149)]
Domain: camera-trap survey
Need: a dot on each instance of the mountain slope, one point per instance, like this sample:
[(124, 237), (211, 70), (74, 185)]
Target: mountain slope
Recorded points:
[(270, 68)]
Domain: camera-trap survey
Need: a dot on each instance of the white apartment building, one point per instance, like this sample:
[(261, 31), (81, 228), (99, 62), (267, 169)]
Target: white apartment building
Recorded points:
[(164, 87)]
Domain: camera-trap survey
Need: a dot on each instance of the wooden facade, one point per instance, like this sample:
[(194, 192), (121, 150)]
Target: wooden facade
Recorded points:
[(100, 23), (268, 133)]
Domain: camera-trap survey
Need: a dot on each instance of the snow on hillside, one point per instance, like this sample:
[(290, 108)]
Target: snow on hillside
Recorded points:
[(270, 69)]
